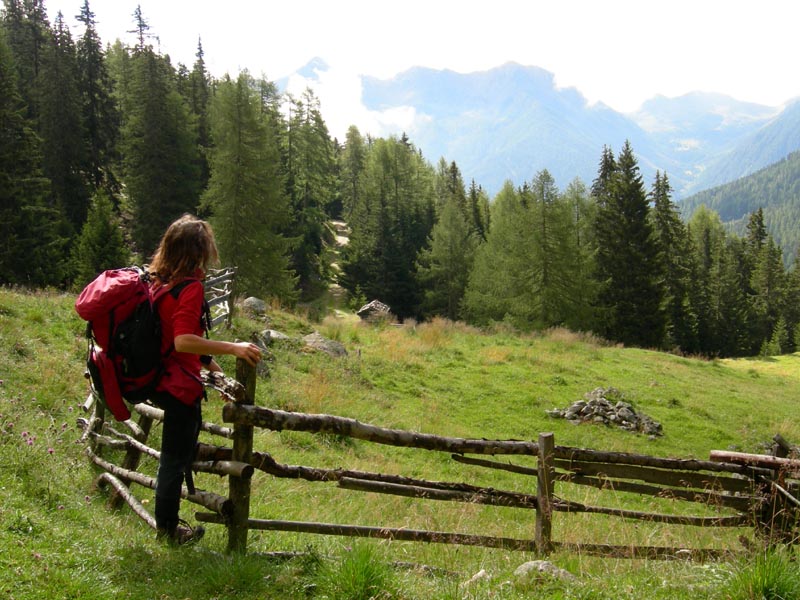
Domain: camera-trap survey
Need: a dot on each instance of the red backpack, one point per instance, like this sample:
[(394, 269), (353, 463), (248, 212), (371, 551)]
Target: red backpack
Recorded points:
[(124, 336)]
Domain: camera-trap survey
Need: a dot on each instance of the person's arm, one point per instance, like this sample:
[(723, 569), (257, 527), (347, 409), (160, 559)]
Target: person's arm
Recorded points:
[(188, 342)]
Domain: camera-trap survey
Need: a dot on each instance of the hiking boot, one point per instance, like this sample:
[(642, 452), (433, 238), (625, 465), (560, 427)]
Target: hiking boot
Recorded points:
[(182, 534)]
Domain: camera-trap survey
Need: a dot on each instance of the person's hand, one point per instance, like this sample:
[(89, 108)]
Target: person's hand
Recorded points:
[(248, 352)]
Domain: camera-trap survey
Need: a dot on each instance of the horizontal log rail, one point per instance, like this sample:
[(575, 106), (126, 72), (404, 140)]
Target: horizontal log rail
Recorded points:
[(441, 537), (209, 500), (278, 420), (740, 502)]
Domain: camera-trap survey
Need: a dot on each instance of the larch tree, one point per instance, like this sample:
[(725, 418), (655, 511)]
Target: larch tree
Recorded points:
[(245, 199), (444, 266)]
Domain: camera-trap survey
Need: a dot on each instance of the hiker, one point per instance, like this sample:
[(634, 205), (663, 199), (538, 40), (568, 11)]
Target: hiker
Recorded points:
[(185, 252)]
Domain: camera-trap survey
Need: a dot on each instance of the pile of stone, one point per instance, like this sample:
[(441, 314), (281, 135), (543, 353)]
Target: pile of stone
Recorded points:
[(605, 406)]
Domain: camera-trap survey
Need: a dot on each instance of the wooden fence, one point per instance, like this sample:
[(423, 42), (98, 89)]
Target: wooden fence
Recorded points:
[(219, 293), (744, 494)]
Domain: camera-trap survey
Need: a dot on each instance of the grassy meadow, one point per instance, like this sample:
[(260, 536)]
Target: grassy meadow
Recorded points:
[(59, 539)]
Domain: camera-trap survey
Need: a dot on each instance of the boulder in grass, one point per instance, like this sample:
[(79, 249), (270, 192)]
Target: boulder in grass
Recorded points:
[(318, 342), (255, 307), (374, 311)]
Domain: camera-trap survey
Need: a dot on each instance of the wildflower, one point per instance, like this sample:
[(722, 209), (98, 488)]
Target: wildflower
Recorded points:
[(50, 451), (88, 498), (37, 556), (60, 507), (24, 434), (30, 442)]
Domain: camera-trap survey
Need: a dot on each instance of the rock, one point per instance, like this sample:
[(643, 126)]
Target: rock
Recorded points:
[(331, 347), (538, 568), (254, 306), (374, 311), (479, 576), (270, 335)]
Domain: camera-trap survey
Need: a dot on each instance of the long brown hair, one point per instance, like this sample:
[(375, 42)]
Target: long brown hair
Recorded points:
[(187, 245)]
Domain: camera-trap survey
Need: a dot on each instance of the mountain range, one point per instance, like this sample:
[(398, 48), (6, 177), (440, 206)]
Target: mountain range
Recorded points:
[(512, 121)]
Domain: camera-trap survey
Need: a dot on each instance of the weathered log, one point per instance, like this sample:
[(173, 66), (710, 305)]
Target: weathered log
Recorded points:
[(231, 390), (223, 275), (122, 491), (763, 461), (680, 479), (215, 467), (209, 500), (279, 420), (239, 487), (157, 414), (740, 503), (387, 533), (680, 464), (739, 520), (412, 535), (228, 468), (89, 403), (544, 494), (482, 496), (582, 469)]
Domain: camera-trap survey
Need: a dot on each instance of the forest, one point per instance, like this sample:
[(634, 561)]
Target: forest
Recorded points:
[(103, 145)]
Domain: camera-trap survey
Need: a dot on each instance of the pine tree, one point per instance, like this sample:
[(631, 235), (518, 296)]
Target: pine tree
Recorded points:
[(61, 128), (352, 162), (159, 143), (101, 117), (673, 250), (100, 245), (627, 266), (31, 248), (199, 94), (245, 196), (768, 283), (310, 166)]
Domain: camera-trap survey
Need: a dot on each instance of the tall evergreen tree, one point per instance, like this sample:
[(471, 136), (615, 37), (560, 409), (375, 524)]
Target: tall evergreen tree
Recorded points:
[(245, 195), (310, 166), (444, 266), (60, 126), (100, 245), (389, 226), (31, 249), (159, 141), (101, 119), (199, 93), (353, 161), (673, 251), (627, 265), (478, 206)]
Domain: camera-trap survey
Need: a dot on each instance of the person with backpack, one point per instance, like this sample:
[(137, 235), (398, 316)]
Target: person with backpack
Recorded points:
[(184, 253)]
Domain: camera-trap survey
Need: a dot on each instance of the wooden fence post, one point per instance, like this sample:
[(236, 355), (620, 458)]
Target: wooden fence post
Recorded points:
[(132, 458), (544, 493), (242, 452)]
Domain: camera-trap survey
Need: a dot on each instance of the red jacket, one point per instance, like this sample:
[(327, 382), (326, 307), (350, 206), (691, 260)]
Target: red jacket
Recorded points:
[(181, 315)]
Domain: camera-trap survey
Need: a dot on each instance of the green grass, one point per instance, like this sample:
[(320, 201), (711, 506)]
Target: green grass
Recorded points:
[(58, 538)]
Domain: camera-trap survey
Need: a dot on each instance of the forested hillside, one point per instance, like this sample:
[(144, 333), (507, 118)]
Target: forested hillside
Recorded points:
[(775, 189), (105, 145)]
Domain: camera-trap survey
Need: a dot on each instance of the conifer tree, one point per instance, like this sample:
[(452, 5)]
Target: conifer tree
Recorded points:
[(100, 114), (310, 166), (31, 248), (100, 245), (352, 165), (245, 196), (199, 94), (159, 143), (444, 266), (60, 126), (627, 267), (673, 251), (478, 206)]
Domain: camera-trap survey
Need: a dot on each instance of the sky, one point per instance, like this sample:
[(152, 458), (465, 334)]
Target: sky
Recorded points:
[(619, 52)]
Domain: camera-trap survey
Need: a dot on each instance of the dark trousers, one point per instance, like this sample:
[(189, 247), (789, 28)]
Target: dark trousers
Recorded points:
[(178, 446)]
